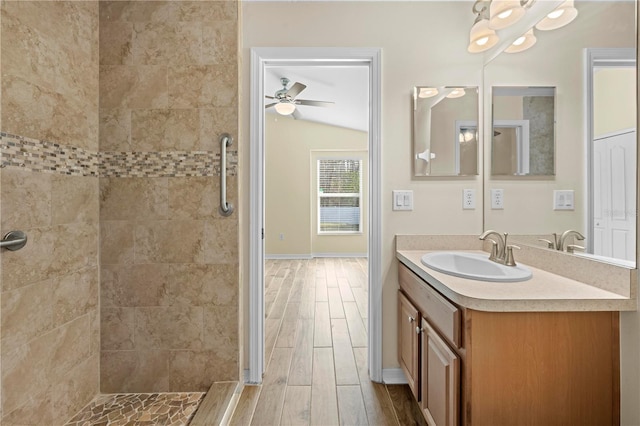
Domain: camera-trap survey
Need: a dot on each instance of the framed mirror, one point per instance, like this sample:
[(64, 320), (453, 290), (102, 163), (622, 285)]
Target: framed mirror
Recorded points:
[(445, 130), (523, 142)]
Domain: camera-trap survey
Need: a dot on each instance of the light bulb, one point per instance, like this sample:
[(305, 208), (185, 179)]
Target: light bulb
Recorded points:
[(427, 92), (482, 41), (505, 14), (555, 14), (458, 92), (522, 43), (519, 41)]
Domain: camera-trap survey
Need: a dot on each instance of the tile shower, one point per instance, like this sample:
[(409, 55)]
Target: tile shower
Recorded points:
[(110, 116)]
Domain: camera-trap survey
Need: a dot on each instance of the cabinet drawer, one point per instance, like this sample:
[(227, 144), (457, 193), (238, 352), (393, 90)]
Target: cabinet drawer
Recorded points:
[(442, 314)]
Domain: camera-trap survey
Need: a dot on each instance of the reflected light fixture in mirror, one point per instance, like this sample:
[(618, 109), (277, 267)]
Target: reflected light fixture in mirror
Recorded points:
[(458, 92), (564, 14), (481, 37), (503, 13), (522, 43), (285, 108), (427, 92)]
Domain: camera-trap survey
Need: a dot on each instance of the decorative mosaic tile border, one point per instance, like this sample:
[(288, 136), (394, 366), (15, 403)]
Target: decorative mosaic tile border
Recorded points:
[(48, 157)]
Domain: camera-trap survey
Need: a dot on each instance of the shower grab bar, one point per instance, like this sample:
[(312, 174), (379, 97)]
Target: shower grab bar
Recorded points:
[(14, 240), (225, 208)]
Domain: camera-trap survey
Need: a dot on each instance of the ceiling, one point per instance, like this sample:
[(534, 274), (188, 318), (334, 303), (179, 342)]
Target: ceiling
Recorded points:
[(347, 86)]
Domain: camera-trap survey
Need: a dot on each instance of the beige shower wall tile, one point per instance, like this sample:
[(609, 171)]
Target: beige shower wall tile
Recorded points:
[(74, 199), (141, 86), (194, 197), (134, 371), (118, 328), (202, 285), (167, 11), (220, 42), (116, 242), (77, 389), (156, 43), (26, 313), (26, 199), (116, 42), (75, 295), (221, 331), (213, 123), (115, 129), (165, 130), (68, 67), (40, 113), (51, 252), (95, 331), (43, 362), (178, 327), (221, 241), (207, 86), (36, 411), (192, 371), (175, 241), (134, 198), (134, 285)]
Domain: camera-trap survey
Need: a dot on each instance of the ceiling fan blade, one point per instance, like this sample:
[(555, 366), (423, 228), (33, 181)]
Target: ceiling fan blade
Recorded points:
[(314, 103), (269, 97), (270, 105), (296, 89), (296, 115)]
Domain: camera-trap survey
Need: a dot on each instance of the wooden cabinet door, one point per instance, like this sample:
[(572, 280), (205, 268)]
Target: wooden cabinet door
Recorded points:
[(440, 380), (409, 344)]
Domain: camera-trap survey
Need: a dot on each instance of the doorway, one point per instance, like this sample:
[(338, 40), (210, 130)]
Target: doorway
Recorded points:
[(261, 58), (611, 154)]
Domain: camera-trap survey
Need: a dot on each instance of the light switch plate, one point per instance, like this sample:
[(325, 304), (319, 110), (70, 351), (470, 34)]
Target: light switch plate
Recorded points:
[(563, 199), (402, 200)]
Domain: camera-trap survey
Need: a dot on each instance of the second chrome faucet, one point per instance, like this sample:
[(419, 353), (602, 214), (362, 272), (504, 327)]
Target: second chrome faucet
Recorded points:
[(560, 242), (501, 252)]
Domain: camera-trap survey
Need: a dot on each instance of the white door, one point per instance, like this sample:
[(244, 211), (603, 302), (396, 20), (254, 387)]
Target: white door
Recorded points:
[(614, 207)]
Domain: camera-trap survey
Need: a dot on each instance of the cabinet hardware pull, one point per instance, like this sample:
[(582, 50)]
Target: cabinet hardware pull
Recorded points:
[(419, 330), (411, 319)]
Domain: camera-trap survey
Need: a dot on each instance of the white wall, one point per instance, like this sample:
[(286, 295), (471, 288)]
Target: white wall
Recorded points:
[(424, 43), (290, 149), (614, 98)]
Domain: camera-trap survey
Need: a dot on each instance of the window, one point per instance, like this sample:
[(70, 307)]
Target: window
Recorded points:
[(339, 195)]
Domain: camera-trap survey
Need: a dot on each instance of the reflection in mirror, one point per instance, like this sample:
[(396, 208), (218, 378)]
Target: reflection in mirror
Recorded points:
[(445, 131), (523, 140)]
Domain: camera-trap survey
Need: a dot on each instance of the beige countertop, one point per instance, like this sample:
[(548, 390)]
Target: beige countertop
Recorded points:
[(545, 291)]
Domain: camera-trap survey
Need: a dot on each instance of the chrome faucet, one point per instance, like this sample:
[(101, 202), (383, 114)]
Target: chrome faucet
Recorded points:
[(501, 252), (564, 237)]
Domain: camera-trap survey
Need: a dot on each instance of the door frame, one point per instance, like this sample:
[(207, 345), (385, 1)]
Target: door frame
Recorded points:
[(600, 57), (282, 56)]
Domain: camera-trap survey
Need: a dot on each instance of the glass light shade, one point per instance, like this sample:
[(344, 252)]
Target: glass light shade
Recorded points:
[(427, 92), (481, 37), (285, 108), (503, 13), (560, 17), (523, 42), (458, 92)]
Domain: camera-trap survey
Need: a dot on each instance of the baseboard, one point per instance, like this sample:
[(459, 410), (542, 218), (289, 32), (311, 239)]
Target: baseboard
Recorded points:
[(393, 376), (287, 256), (311, 256)]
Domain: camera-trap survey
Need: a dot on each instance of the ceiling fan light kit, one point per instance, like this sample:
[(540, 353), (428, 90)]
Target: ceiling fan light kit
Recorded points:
[(286, 101)]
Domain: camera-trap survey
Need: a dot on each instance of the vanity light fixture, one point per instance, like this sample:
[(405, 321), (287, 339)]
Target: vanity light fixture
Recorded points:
[(285, 108), (564, 14), (522, 43), (427, 92), (503, 13), (481, 37), (458, 92)]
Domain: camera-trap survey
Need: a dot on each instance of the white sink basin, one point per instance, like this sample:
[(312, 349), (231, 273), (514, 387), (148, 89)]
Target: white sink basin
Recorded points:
[(474, 266)]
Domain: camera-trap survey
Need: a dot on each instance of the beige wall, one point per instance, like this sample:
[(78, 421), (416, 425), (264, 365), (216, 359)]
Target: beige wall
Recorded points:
[(614, 99), (289, 191), (49, 311), (407, 60), (169, 277)]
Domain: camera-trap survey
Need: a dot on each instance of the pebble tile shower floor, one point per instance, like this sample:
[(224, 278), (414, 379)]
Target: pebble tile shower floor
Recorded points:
[(157, 409)]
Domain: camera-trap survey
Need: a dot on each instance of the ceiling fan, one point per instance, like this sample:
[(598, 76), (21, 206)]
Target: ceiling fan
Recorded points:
[(286, 99)]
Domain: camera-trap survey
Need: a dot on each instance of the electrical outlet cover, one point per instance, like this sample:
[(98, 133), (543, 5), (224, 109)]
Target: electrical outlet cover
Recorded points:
[(497, 199), (468, 199)]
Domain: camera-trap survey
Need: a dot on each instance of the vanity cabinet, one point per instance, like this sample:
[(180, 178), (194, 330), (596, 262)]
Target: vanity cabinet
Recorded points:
[(408, 349), (505, 368)]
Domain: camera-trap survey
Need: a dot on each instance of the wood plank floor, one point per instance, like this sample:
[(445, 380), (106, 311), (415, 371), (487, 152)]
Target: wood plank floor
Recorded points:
[(316, 351)]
